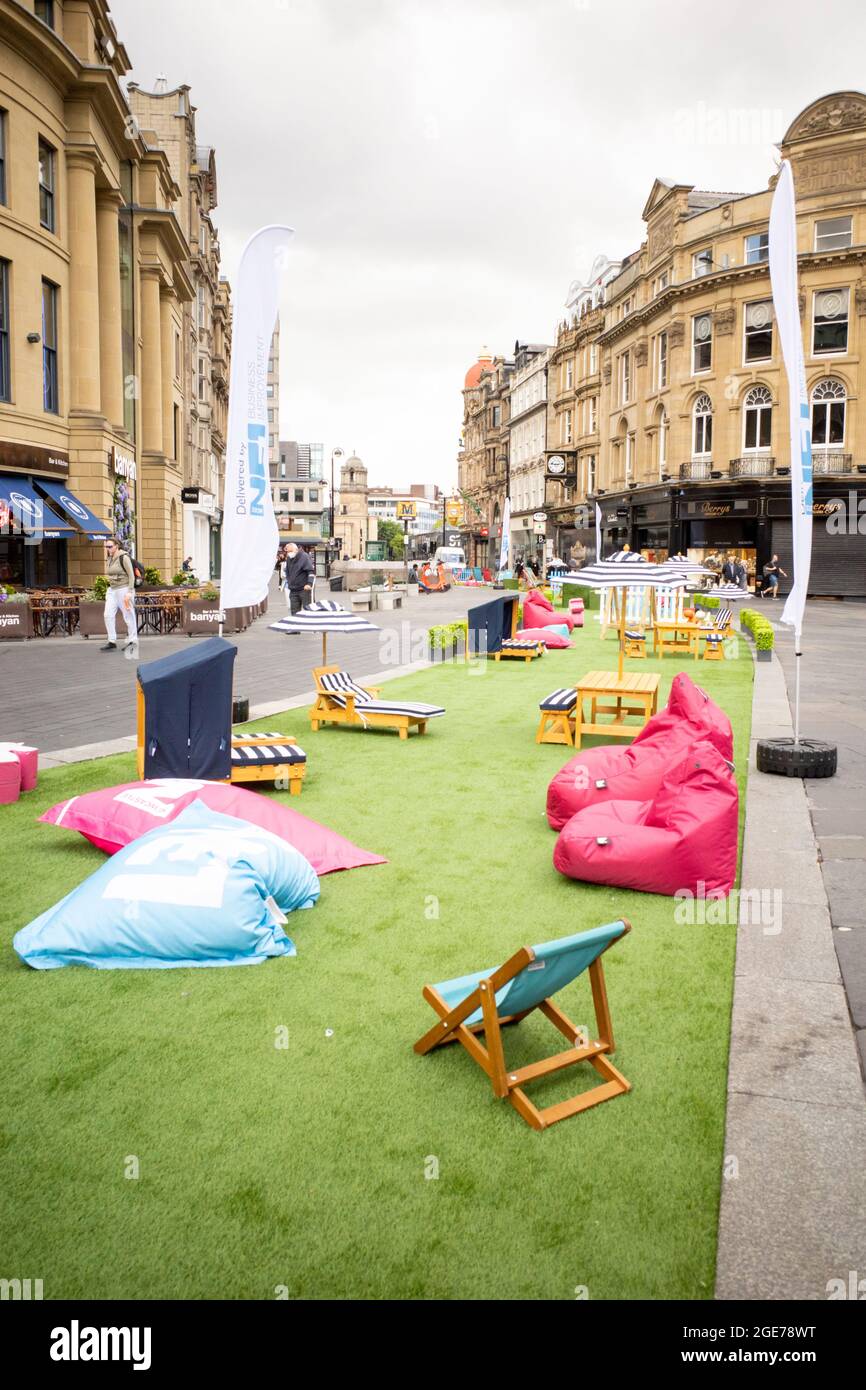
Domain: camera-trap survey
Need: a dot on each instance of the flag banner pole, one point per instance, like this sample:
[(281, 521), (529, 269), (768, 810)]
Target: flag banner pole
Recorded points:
[(783, 278), (505, 547), (249, 529)]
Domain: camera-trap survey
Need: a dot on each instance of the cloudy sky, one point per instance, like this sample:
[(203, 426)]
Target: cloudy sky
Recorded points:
[(449, 166)]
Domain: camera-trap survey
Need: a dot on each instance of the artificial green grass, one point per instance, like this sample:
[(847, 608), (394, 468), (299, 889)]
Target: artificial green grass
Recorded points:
[(300, 1171)]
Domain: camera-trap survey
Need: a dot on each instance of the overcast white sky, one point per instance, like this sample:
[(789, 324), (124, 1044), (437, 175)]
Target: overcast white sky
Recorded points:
[(449, 166)]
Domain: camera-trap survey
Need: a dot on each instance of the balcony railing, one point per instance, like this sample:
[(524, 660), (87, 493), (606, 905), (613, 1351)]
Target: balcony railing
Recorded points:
[(696, 469), (753, 466), (831, 461)]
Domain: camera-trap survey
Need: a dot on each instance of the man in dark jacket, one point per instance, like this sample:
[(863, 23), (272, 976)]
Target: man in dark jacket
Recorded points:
[(298, 578)]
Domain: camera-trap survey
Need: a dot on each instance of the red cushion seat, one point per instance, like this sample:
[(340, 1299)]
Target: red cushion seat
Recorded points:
[(538, 611)]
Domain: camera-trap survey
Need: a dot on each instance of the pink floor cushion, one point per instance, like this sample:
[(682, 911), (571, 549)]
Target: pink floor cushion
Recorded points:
[(538, 611), (550, 636), (112, 818), (10, 778), (29, 760), (684, 840), (635, 772)]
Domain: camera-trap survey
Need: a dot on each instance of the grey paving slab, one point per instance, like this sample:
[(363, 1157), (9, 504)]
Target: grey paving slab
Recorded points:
[(846, 889), (852, 962), (792, 1218), (783, 940)]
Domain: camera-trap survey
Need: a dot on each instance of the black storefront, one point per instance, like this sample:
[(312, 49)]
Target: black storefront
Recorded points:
[(752, 522)]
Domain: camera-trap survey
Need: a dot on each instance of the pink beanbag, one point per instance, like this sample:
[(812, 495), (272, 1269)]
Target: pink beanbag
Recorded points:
[(684, 840), (115, 816), (635, 772), (28, 759), (550, 636), (538, 611)]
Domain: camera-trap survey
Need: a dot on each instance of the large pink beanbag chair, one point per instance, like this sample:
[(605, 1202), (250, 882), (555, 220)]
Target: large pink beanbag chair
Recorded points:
[(683, 840), (548, 635), (635, 772), (112, 818), (538, 611)]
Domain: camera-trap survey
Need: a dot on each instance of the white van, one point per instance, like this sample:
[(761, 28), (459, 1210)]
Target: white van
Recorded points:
[(452, 556)]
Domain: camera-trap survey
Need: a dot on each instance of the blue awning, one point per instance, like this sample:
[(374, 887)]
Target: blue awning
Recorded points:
[(28, 512), (73, 509)]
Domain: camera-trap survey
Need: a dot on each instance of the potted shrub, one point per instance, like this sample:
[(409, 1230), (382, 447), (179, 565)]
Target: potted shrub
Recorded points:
[(201, 612), (91, 609), (447, 641), (16, 615), (761, 630)]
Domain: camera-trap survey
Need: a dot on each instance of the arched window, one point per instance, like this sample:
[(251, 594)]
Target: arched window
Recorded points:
[(828, 414), (702, 437), (757, 419)]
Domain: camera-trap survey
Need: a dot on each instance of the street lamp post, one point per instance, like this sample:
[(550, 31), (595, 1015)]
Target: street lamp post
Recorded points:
[(335, 454)]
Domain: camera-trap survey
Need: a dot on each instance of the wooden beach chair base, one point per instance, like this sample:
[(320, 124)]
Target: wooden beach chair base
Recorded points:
[(269, 769), (510, 1084)]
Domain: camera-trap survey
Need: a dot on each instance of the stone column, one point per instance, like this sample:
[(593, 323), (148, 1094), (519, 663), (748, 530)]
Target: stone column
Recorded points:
[(166, 328), (83, 310), (151, 363), (110, 351)]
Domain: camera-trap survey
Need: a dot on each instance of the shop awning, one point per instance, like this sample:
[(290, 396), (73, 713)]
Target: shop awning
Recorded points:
[(73, 510), (21, 507)]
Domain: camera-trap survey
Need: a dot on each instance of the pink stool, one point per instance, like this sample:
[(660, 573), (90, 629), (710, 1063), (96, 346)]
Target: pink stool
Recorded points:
[(28, 759), (575, 608), (10, 778)]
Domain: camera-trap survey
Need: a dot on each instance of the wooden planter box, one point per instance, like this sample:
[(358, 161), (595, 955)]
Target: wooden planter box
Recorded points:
[(91, 619), (201, 616), (234, 620), (16, 620)]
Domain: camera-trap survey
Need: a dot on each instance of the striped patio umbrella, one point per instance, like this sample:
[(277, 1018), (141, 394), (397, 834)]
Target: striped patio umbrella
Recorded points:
[(731, 593), (616, 574), (324, 617), (691, 569)]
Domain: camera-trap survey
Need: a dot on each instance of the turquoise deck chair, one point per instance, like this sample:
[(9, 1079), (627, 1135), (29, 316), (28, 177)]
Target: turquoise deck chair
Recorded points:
[(487, 1001)]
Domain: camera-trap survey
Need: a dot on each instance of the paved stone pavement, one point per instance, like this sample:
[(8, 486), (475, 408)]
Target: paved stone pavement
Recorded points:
[(61, 693), (833, 707), (793, 1202)]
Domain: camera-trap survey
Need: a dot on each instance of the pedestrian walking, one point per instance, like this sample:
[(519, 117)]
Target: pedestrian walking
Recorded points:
[(119, 598), (297, 578), (772, 571)]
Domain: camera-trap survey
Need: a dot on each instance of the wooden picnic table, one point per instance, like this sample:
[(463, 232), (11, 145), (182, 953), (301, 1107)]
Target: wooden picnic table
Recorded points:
[(677, 637), (622, 696)]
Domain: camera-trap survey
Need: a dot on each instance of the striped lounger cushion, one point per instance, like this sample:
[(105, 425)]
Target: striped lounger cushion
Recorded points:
[(635, 636), (518, 644), (339, 685), (244, 752), (564, 699), (724, 616)]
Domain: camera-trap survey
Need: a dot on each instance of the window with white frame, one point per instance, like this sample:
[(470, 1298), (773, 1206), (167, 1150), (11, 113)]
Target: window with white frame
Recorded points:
[(625, 377), (829, 399), (757, 248), (569, 374), (565, 429), (625, 308), (663, 444), (757, 420), (830, 324), (833, 233), (758, 331), (590, 473), (661, 356), (662, 282), (593, 414), (593, 358), (702, 342), (702, 262), (702, 435)]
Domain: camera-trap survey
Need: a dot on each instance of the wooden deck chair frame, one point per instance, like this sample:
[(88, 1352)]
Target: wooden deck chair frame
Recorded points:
[(326, 710), (509, 1084), (528, 653), (253, 772)]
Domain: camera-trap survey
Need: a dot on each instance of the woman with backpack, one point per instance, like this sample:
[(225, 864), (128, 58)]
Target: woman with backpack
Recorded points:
[(119, 598)]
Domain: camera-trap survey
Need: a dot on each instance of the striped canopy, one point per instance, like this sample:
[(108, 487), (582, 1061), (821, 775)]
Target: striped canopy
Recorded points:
[(690, 568), (326, 616), (616, 574), (729, 592)]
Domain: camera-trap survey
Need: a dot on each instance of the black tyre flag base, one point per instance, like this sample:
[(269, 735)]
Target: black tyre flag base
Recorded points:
[(808, 758)]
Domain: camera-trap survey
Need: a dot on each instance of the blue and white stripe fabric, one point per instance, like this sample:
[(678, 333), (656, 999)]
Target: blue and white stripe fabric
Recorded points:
[(277, 752), (339, 686), (563, 699), (325, 616)]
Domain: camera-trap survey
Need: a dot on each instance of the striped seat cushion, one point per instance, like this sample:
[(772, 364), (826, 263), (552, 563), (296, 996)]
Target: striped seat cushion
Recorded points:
[(339, 684), (267, 753), (635, 636), (518, 644), (564, 699), (714, 638), (414, 710), (250, 736)]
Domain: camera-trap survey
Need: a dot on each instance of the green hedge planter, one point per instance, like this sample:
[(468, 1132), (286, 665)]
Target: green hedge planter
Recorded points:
[(761, 630)]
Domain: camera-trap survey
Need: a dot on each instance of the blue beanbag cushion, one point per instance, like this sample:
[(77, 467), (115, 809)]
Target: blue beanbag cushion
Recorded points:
[(207, 889)]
